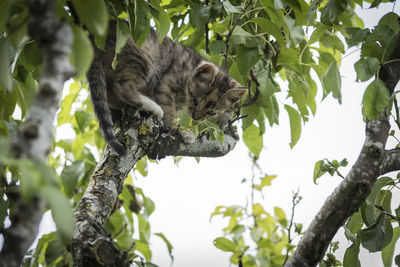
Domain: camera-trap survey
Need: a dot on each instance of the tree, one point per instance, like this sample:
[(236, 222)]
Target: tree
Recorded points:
[(270, 46)]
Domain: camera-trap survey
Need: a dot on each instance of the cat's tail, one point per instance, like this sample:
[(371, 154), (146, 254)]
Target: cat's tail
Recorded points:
[(98, 93)]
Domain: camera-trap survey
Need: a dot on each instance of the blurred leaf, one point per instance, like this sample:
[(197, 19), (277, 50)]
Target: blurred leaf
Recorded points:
[(354, 224), (247, 58), (373, 237), (270, 28), (61, 211), (5, 76), (70, 176), (169, 245), (55, 249), (368, 207), (123, 35), (83, 119), (94, 15), (332, 82), (230, 9), (265, 181), (82, 51), (376, 99), (139, 16), (200, 15), (256, 233), (332, 10), (253, 140), (366, 68), (224, 244), (295, 125), (355, 36), (350, 258)]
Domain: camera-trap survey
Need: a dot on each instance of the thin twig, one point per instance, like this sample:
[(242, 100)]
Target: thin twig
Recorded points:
[(396, 106), (231, 31), (394, 217), (295, 200), (206, 29), (252, 99)]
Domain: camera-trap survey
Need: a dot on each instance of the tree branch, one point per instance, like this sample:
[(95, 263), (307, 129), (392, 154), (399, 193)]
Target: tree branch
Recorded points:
[(355, 188), (141, 136), (34, 138), (391, 161), (346, 198)]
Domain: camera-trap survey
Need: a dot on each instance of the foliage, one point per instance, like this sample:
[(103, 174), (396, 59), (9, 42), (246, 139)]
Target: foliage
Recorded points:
[(254, 236), (283, 50)]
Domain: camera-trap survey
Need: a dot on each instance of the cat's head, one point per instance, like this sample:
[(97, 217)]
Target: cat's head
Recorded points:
[(212, 92)]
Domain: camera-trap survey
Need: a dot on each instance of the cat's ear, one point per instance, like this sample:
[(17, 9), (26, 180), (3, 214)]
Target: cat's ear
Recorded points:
[(234, 95), (206, 72)]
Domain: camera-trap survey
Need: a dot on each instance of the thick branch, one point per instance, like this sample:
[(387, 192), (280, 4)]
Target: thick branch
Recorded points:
[(34, 137), (171, 145), (391, 161), (91, 242), (346, 198)]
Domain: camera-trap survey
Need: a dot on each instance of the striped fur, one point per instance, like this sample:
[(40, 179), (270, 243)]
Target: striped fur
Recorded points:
[(160, 79)]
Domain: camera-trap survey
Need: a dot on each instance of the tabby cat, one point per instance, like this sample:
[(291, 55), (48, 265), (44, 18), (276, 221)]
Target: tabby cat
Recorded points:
[(160, 79)]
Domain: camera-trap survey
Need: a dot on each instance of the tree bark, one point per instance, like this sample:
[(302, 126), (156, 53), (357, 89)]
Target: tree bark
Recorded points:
[(141, 135), (372, 162), (34, 138)]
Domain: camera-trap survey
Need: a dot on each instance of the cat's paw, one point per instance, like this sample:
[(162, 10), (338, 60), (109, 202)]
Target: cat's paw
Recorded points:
[(187, 136), (157, 110)]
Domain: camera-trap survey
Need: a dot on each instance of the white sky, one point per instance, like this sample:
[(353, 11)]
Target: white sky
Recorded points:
[(185, 196)]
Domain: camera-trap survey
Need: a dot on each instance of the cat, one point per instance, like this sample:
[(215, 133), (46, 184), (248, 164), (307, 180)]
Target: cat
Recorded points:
[(160, 78)]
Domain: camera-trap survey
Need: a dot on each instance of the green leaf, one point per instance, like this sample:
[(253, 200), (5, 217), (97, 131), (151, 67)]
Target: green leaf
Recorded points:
[(144, 249), (332, 10), (355, 36), (318, 170), (123, 35), (139, 20), (200, 14), (376, 99), (373, 237), (70, 176), (267, 26), (230, 9), (295, 125), (93, 13), (5, 76), (350, 258), (3, 15), (83, 119), (253, 139), (224, 244), (61, 211), (82, 52), (265, 181), (332, 82), (366, 68), (353, 225), (368, 207), (169, 245), (256, 233), (54, 250), (247, 58)]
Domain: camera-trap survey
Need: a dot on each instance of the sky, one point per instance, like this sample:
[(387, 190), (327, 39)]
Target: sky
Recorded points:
[(186, 195)]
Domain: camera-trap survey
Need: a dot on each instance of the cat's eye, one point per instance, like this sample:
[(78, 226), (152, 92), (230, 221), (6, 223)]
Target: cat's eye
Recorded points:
[(211, 113)]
